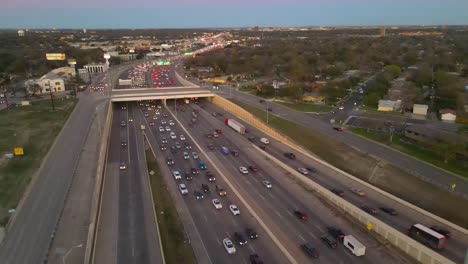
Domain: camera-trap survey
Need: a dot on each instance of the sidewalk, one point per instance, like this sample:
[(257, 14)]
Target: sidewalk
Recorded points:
[(72, 228)]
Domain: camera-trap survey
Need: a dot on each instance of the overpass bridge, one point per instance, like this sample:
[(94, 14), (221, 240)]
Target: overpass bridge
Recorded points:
[(125, 95)]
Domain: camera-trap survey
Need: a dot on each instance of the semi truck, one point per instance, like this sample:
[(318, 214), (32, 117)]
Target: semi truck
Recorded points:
[(235, 125)]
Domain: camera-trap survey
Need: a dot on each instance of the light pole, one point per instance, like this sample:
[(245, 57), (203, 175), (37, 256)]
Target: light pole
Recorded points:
[(69, 251), (267, 110), (51, 97)]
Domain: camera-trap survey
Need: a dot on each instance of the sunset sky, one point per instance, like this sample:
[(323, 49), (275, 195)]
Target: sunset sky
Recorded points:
[(223, 13)]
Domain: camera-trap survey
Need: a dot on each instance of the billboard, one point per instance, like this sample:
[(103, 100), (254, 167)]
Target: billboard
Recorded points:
[(55, 56), (18, 151), (72, 61)]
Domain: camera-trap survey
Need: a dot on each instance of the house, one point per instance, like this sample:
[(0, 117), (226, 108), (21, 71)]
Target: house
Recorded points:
[(420, 109), (448, 115), (51, 82), (389, 105)]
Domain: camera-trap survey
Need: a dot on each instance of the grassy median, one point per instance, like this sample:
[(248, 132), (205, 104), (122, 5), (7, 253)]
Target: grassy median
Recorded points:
[(34, 128), (176, 246), (370, 169), (307, 107)]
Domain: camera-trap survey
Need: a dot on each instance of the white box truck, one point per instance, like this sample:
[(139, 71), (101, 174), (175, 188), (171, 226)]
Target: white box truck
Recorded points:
[(235, 125), (354, 245)]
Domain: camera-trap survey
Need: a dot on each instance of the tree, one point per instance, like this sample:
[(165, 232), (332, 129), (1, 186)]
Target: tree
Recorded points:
[(372, 99), (392, 71)]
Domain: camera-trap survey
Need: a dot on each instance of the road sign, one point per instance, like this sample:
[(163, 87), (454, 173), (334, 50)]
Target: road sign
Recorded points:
[(55, 56), (18, 151), (369, 227)]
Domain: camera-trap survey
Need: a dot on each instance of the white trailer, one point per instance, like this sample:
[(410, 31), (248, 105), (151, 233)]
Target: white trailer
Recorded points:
[(356, 247), (235, 125)]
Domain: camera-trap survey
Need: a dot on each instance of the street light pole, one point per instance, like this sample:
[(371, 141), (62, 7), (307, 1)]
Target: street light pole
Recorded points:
[(267, 110), (51, 97), (69, 251)]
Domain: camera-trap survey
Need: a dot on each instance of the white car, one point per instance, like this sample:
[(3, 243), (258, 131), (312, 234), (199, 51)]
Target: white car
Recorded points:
[(341, 107), (163, 122), (122, 166), (157, 112), (171, 123), (173, 135), (267, 184), (217, 204), (243, 170), (265, 140), (183, 188), (194, 155), (161, 129), (177, 175), (229, 246), (186, 156), (159, 106), (303, 171), (234, 209), (168, 128), (182, 137)]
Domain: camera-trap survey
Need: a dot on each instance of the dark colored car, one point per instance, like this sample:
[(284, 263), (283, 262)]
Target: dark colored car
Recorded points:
[(338, 192), (336, 233), (163, 147), (188, 176), (198, 195), (311, 169), (253, 168), (269, 109), (251, 138), (235, 153), (263, 147), (170, 161), (239, 238), (255, 259), (329, 241), (369, 210), (338, 128), (310, 250), (210, 176), (261, 101), (300, 215), (219, 131), (123, 143), (389, 210), (194, 171), (442, 231), (205, 188), (290, 155), (173, 150), (211, 146), (209, 135), (251, 233)]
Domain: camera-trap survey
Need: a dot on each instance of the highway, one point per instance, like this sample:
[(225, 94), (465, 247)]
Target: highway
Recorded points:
[(275, 206), (330, 179), (127, 232)]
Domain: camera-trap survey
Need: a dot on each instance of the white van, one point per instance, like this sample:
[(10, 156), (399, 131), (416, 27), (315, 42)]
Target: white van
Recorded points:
[(354, 245), (265, 141)]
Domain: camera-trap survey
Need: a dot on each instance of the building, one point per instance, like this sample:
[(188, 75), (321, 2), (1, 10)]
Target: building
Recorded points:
[(420, 109), (448, 115), (51, 82), (96, 68), (84, 75), (389, 105), (20, 33), (382, 31)]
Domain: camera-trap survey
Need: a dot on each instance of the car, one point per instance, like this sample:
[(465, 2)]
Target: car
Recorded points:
[(303, 171), (215, 134), (155, 118), (210, 176), (267, 184), (163, 122), (243, 170), (341, 107), (164, 141), (124, 107), (188, 176), (269, 109), (265, 141), (176, 175), (235, 153), (310, 250), (234, 210), (202, 165), (167, 128), (146, 114), (173, 150), (239, 238), (358, 192), (262, 147), (163, 147), (336, 233), (442, 231), (338, 129), (122, 166), (171, 123), (198, 195), (186, 155), (311, 169), (301, 216), (329, 240), (194, 155), (187, 146), (122, 124), (172, 135), (130, 119), (194, 171), (261, 101), (161, 129), (290, 155), (369, 210), (220, 190), (182, 137), (205, 188), (338, 192), (253, 168), (229, 246), (255, 259), (177, 145), (123, 143), (164, 115), (209, 135), (211, 146), (219, 131), (251, 139), (159, 106), (217, 204), (151, 123), (389, 210), (251, 233), (183, 188)]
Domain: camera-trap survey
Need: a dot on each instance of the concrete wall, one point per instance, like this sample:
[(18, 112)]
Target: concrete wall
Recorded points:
[(183, 81)]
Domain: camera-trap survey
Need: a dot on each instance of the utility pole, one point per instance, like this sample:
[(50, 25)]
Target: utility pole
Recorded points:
[(51, 97), (267, 110)]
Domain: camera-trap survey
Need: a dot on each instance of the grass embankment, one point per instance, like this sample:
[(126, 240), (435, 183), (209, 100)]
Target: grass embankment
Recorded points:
[(305, 107), (176, 247), (34, 128), (414, 150), (370, 169)]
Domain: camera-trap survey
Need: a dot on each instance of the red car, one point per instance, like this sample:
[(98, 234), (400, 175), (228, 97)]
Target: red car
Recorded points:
[(301, 215), (219, 131), (338, 129)]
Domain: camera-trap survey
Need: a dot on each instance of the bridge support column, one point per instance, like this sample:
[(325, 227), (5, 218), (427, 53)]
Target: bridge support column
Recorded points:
[(164, 102)]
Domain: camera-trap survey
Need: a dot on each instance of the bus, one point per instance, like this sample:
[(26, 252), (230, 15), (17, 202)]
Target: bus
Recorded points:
[(427, 236)]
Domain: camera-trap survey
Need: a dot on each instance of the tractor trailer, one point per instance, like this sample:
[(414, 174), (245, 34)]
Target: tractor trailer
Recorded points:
[(235, 125)]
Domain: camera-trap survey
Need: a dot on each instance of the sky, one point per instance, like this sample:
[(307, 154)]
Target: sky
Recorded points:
[(90, 14)]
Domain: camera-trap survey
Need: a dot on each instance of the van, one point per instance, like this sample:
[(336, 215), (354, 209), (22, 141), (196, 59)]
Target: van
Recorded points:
[(354, 245), (265, 141)]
